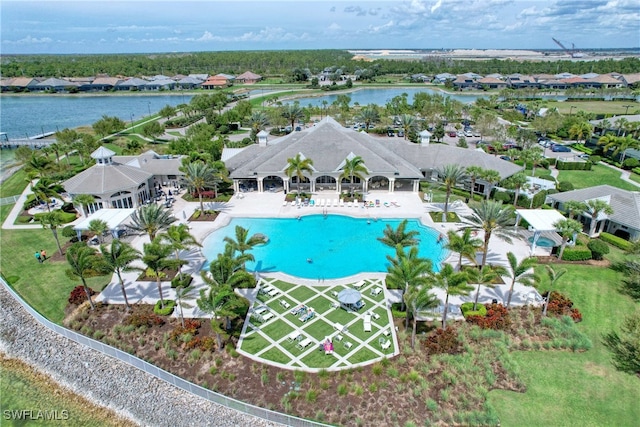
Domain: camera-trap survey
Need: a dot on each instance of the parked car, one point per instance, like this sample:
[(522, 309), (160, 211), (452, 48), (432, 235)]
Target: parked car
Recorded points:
[(557, 148), (401, 133), (390, 132), (453, 134), (459, 133), (507, 158), (476, 133), (468, 133), (510, 145), (546, 143)]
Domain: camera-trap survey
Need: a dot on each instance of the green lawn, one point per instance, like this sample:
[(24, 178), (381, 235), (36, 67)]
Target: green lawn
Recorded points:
[(635, 177), (599, 107), (582, 389), (598, 175)]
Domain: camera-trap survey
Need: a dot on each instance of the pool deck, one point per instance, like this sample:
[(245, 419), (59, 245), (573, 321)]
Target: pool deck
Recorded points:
[(271, 205)]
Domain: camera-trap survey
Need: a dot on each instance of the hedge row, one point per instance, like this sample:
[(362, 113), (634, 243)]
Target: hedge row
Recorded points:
[(616, 241), (577, 253), (467, 309), (66, 217), (581, 166), (182, 121)]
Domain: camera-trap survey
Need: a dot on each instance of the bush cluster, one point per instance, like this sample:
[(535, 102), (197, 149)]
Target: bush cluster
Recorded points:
[(443, 341), (561, 305), (181, 280), (169, 305), (78, 295), (201, 343), (577, 253), (467, 309), (630, 163), (598, 248), (144, 319), (565, 186), (576, 166), (497, 317), (190, 327), (616, 241), (182, 121), (65, 217)]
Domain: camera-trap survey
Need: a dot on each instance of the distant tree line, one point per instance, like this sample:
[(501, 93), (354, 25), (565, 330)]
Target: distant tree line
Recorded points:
[(293, 64)]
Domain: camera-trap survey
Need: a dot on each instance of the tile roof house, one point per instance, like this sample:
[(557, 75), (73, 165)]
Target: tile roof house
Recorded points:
[(19, 83), (248, 78), (625, 220), (58, 85), (123, 182), (604, 80), (491, 83), (392, 165), (217, 81), (632, 80), (519, 81), (464, 82), (189, 82), (133, 83), (104, 83)]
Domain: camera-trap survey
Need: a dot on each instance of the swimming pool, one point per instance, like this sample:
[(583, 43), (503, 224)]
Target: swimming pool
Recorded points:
[(543, 242), (319, 247)]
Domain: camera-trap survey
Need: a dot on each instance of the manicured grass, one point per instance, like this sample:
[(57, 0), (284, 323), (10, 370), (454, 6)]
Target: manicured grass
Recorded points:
[(635, 177), (319, 359), (602, 107), (14, 185), (319, 329), (339, 316), (275, 355), (283, 286), (566, 388), (598, 175), (320, 304), (253, 343), (365, 354), (302, 293), (277, 330)]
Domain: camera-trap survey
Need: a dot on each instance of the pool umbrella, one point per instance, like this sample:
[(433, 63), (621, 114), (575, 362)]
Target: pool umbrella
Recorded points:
[(349, 299)]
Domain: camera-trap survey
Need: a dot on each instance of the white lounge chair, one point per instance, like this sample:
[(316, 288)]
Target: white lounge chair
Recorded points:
[(267, 316), (335, 203), (260, 310), (338, 337), (387, 332), (341, 203), (359, 284), (273, 292), (385, 345), (285, 304), (285, 203), (339, 327), (334, 293), (348, 345), (304, 343), (376, 291), (355, 203), (293, 336), (367, 323), (375, 316)]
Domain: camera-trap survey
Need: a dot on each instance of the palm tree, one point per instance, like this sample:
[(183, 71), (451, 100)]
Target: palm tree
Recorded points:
[(38, 164), (368, 115), (183, 295), (553, 276), (243, 243), (229, 268), (465, 245), (151, 219), (567, 228), (353, 168), (298, 166), (492, 177), (491, 218), (450, 174), (474, 172), (399, 236), (484, 277), (258, 121), (155, 256), (533, 156), (52, 221), (416, 300), (595, 207), (199, 176), (580, 131), (619, 144), (453, 283), (516, 182), (82, 200), (292, 112), (99, 227), (117, 258), (81, 259), (179, 238), (45, 189), (520, 272), (407, 123), (407, 270), (574, 207)]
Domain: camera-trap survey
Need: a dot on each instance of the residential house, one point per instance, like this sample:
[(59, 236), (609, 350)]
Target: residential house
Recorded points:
[(491, 83), (189, 83), (623, 222), (217, 81), (105, 83), (463, 82), (133, 84), (160, 84), (20, 84), (520, 81), (56, 85), (248, 78)]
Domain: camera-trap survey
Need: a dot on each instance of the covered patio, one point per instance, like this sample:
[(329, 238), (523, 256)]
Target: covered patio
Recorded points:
[(350, 300), (541, 227), (115, 218)]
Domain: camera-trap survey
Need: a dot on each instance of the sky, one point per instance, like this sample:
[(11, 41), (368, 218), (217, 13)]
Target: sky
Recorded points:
[(97, 26)]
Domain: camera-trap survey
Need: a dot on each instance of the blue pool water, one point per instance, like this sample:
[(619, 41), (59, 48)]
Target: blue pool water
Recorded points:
[(338, 246), (543, 242)]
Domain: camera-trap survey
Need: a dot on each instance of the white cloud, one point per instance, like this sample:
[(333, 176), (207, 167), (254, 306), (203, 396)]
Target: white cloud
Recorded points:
[(33, 40), (334, 27), (436, 6)]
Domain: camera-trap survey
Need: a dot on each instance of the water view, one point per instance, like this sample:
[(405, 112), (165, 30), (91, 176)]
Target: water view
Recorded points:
[(318, 247)]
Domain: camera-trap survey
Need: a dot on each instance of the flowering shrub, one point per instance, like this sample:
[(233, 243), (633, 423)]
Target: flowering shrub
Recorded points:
[(190, 327), (443, 341), (202, 343), (562, 306), (78, 295), (497, 317), (146, 319)]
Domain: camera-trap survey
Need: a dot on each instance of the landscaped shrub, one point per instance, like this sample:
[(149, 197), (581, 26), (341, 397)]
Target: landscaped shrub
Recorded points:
[(181, 280), (78, 295), (630, 163), (502, 196), (190, 327), (598, 248), (202, 343), (561, 305), (580, 166), (616, 241), (595, 159), (144, 319), (169, 305), (497, 317), (576, 253), (443, 341), (565, 186), (31, 202), (467, 309), (65, 217)]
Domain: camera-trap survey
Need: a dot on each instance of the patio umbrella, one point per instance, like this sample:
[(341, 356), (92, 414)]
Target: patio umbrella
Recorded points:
[(349, 298)]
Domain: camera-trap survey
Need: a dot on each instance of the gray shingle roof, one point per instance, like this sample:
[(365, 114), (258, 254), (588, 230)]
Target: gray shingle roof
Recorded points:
[(328, 144), (106, 179), (625, 204)]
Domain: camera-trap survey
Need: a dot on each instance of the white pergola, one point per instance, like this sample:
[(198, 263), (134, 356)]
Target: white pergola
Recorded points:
[(113, 217), (539, 220)]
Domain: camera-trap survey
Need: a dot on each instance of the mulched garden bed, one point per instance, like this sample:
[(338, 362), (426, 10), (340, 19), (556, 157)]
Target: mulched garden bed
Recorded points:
[(407, 389)]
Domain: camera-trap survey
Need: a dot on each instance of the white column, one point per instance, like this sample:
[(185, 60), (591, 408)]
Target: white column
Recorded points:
[(392, 182), (260, 184)]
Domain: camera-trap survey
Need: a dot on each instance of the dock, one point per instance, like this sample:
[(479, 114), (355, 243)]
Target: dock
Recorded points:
[(33, 142)]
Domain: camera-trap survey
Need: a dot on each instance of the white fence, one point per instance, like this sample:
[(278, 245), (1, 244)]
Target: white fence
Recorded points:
[(181, 383), (8, 200)]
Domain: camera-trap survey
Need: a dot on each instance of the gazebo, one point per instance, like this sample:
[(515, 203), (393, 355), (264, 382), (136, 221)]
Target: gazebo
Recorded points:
[(350, 299), (540, 220), (113, 217)]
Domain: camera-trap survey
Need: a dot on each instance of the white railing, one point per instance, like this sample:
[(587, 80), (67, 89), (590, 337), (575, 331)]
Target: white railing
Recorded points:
[(168, 377), (8, 200)]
